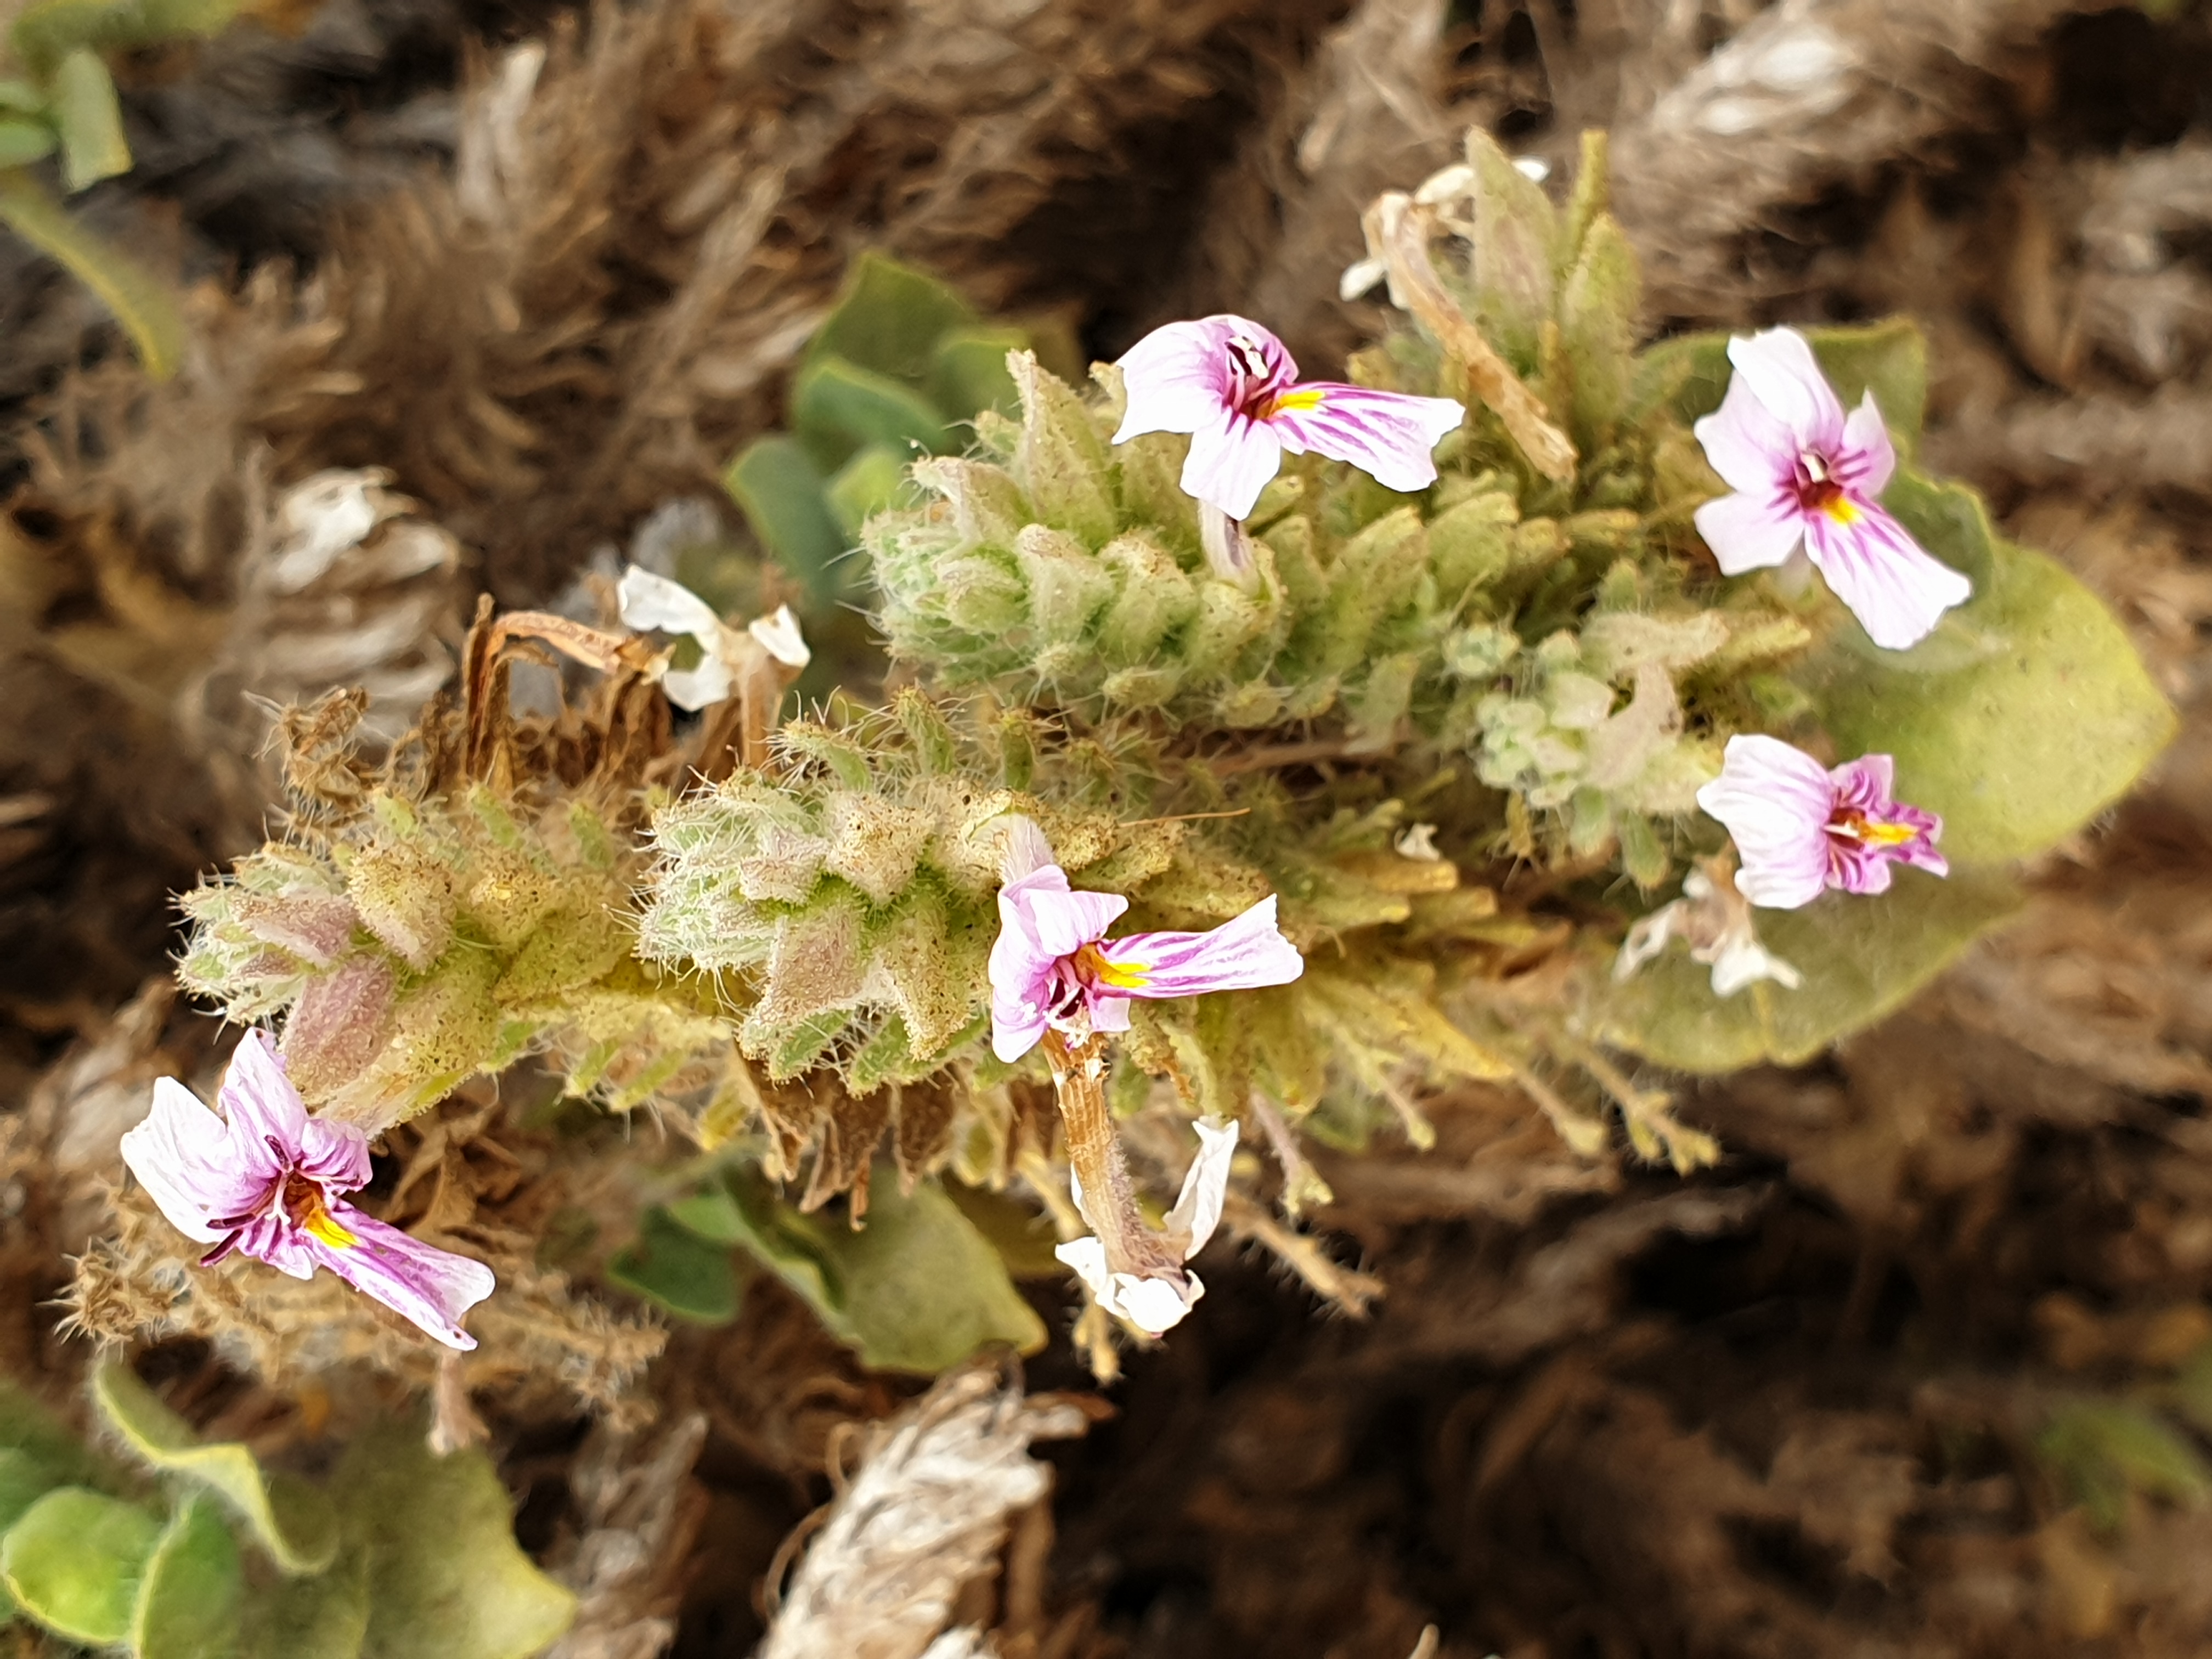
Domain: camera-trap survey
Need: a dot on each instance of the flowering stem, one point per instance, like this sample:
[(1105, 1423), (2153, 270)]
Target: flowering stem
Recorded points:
[(1094, 1152)]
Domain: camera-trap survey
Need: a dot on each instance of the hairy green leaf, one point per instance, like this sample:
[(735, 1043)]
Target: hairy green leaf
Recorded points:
[(136, 299), (672, 1267), (188, 1601), (74, 1562), (917, 1289), (2021, 717), (445, 1574), (290, 1519)]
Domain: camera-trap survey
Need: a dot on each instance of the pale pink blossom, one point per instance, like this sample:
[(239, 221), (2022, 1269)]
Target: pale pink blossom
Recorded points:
[(262, 1177), (1801, 828), (1052, 965), (1155, 1302), (1231, 385), (1806, 474)]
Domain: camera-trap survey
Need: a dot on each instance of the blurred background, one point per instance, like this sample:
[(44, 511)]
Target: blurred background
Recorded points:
[(1924, 1367)]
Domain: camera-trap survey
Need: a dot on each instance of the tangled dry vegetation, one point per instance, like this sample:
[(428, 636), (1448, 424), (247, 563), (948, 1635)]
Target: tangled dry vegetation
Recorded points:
[(1915, 1371)]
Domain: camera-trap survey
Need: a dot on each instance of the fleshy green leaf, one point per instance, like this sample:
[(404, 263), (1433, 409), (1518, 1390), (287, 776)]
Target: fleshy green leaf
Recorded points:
[(871, 480), (861, 406), (778, 486), (138, 301), (890, 319), (290, 1519), (445, 1574), (1862, 957), (2024, 716), (23, 141), (917, 1289), (970, 374), (1515, 229), (675, 1268), (188, 1601), (90, 118), (74, 1562)]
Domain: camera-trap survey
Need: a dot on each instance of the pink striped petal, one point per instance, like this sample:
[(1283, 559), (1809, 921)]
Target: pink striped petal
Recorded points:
[(266, 1115), (1750, 448), (1242, 954), (1749, 531), (1775, 801), (1895, 589), (181, 1152), (1177, 379), (1388, 435), (1778, 365), (1231, 460), (1865, 459), (431, 1287)]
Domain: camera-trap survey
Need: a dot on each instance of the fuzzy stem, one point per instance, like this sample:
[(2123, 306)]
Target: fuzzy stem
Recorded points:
[(1109, 1199)]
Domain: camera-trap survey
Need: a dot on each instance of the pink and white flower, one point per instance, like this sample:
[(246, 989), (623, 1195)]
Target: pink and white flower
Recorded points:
[(1801, 828), (1231, 384), (261, 1177), (1054, 967), (1806, 474)]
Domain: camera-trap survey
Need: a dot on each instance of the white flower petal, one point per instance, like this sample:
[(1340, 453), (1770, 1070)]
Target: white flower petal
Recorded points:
[(651, 602), (694, 688), (780, 637), (1197, 1210)]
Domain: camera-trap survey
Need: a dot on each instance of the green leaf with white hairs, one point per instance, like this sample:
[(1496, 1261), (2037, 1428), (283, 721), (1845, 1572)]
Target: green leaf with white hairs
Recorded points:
[(290, 1519), (2025, 714), (917, 1289), (325, 1617), (891, 318), (74, 1562), (136, 298), (445, 1576), (189, 1600)]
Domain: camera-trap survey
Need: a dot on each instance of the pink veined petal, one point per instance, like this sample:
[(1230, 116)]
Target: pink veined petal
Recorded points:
[(1242, 954), (1388, 435), (1109, 1011), (1025, 851), (1063, 923), (1858, 870), (1785, 376), (1750, 532), (275, 1240), (1898, 591), (431, 1287), (1775, 801), (1177, 378), (1867, 784), (1865, 459), (335, 1154), (262, 1107), (181, 1152), (1231, 461), (1014, 1032), (1746, 444)]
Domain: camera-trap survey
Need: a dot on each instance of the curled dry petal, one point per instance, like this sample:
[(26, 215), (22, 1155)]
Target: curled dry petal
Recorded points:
[(1153, 1301)]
